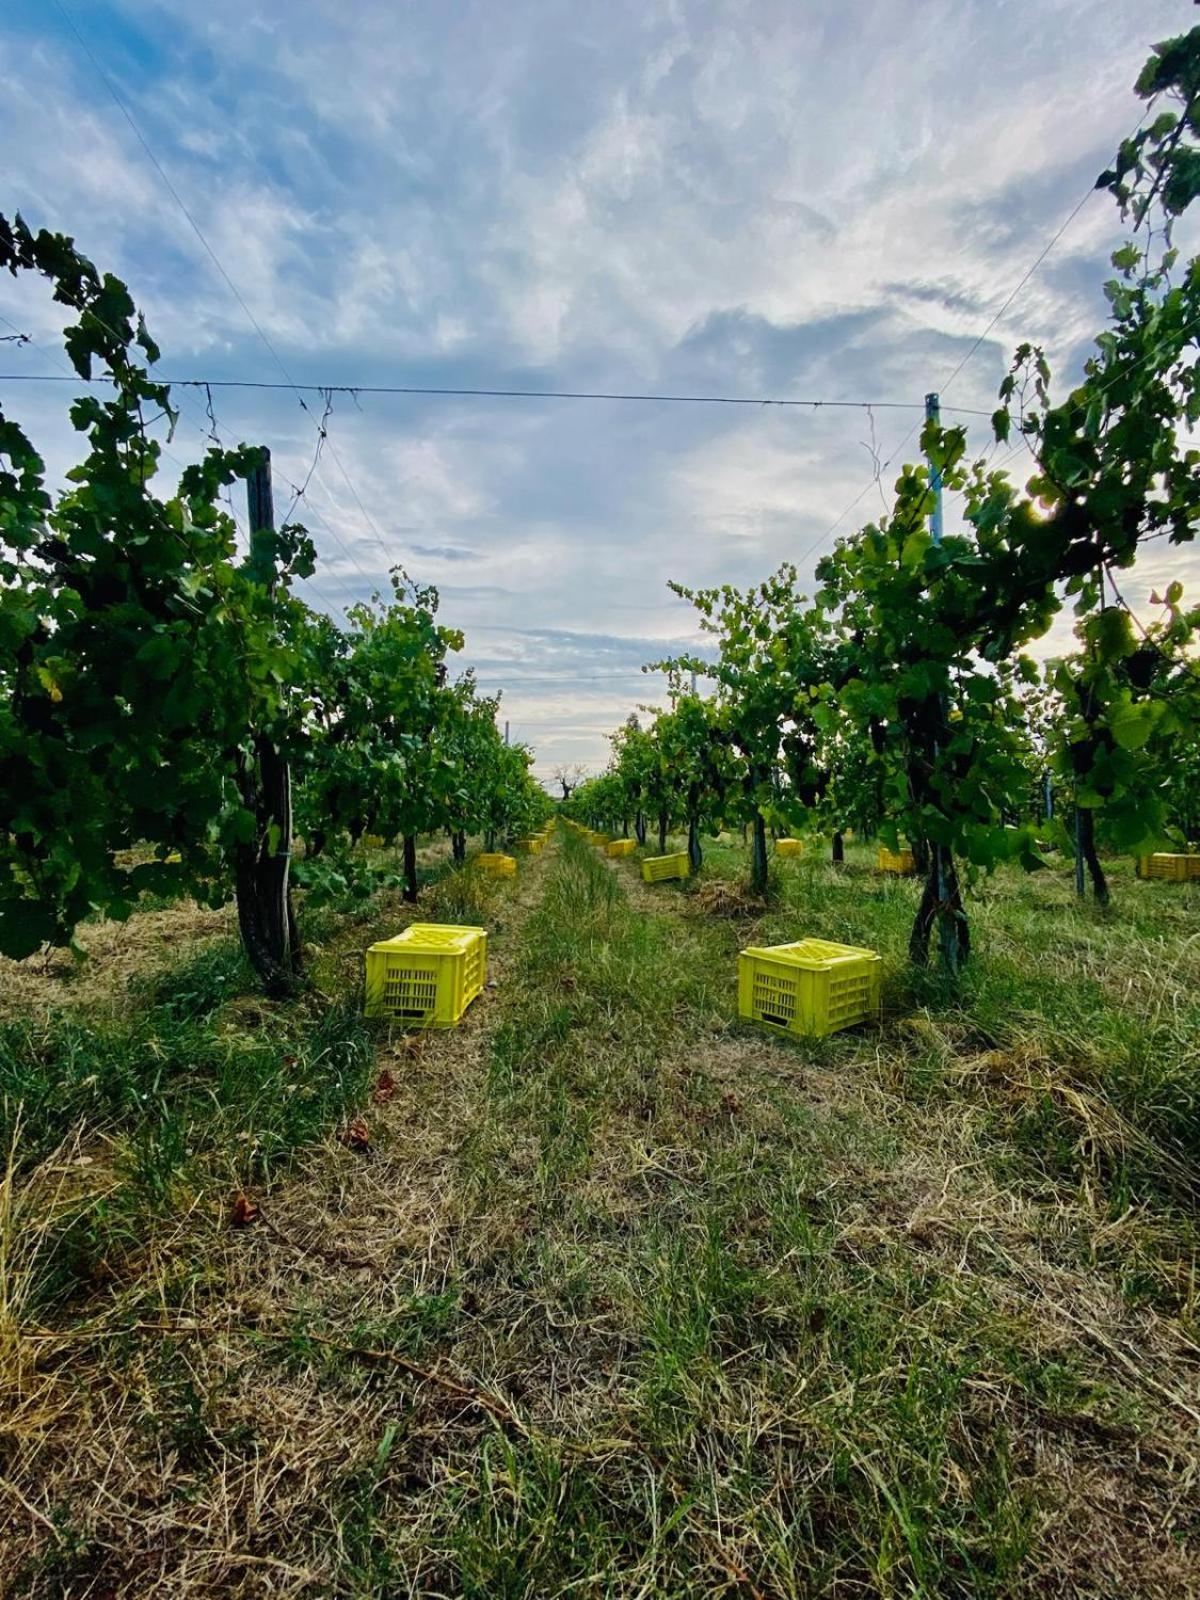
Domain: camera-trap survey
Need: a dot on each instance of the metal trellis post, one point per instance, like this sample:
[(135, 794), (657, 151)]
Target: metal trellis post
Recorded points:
[(946, 933)]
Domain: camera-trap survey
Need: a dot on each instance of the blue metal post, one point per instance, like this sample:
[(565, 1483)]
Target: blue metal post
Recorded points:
[(933, 413)]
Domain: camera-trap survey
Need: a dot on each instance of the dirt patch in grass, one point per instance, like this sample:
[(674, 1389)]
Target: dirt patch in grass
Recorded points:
[(721, 898)]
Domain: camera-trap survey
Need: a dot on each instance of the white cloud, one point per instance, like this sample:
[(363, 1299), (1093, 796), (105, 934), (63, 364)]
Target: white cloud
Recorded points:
[(736, 196)]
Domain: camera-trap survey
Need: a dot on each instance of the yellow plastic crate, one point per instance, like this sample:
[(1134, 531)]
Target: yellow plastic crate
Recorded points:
[(533, 845), (809, 988), (427, 976), (789, 847), (657, 869), (894, 860), (495, 865), (621, 847), (1175, 868)]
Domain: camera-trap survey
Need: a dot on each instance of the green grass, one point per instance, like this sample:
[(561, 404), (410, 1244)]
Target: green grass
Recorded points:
[(680, 1275), (191, 1084), (199, 1088), (661, 1305), (272, 1077), (1098, 1011)]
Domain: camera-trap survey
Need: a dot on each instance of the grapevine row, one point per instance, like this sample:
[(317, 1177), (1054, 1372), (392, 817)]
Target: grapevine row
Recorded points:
[(903, 698), (172, 716)]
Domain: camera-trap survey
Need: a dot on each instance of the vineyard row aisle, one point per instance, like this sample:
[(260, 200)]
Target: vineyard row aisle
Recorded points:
[(203, 1435), (624, 1298)]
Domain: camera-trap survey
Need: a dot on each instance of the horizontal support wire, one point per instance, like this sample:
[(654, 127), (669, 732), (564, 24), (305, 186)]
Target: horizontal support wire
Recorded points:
[(795, 403)]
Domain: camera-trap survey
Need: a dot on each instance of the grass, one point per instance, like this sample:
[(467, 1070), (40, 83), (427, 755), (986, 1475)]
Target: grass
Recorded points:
[(180, 1089), (623, 1297), (1088, 1022)]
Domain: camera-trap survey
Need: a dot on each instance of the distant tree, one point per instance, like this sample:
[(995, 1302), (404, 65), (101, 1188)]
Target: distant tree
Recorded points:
[(569, 777)]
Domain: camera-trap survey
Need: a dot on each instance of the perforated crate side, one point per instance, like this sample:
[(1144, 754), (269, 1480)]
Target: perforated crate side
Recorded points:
[(789, 847), (474, 973), (1175, 868), (406, 987), (621, 847), (774, 994), (658, 869), (783, 989), (900, 861)]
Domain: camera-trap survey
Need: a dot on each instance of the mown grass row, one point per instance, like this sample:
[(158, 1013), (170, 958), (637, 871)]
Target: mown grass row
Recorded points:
[(726, 1313), (187, 1084), (1078, 1027), (138, 1325), (737, 1365)]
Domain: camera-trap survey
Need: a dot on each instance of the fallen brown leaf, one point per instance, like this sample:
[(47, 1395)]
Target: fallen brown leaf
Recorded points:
[(356, 1135), (244, 1211)]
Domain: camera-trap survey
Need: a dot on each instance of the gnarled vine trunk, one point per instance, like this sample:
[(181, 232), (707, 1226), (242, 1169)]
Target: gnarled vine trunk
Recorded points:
[(261, 866), (695, 853), (758, 855), (839, 848), (458, 844), (1085, 844), (941, 906), (410, 868), (266, 917)]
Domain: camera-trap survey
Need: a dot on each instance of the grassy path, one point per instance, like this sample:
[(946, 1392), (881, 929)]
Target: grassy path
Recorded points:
[(627, 1300), (198, 1420)]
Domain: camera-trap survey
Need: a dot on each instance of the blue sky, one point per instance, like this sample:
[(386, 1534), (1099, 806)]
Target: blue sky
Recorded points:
[(823, 198)]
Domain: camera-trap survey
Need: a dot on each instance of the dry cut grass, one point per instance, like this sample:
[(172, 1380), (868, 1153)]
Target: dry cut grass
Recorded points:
[(603, 1294)]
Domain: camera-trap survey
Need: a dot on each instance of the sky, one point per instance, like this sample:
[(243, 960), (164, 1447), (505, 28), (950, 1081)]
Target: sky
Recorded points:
[(766, 199)]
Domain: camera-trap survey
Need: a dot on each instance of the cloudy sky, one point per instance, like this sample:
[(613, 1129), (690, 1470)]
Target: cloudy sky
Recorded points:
[(823, 199)]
